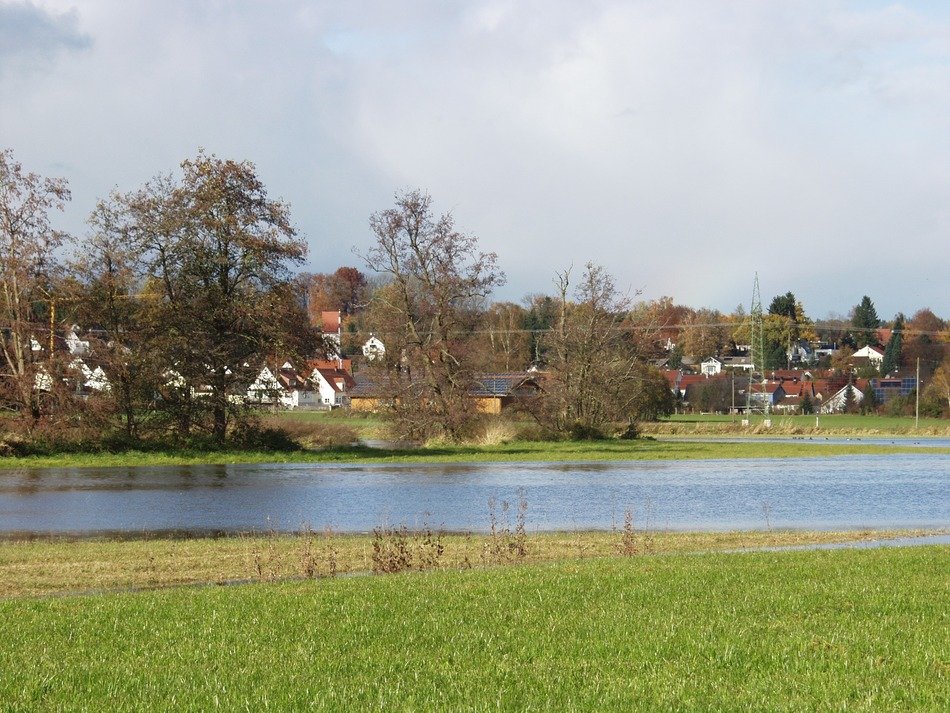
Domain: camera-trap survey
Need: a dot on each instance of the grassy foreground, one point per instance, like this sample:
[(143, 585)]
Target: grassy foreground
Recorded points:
[(641, 449), (856, 630), (44, 567)]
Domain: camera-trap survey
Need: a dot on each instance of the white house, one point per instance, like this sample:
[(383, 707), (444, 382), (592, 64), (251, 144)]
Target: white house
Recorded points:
[(74, 343), (711, 366), (801, 351), (332, 385), (91, 378), (874, 355), (836, 402), (283, 387), (373, 348)]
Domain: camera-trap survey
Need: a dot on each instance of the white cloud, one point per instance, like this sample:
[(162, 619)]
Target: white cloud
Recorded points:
[(683, 144)]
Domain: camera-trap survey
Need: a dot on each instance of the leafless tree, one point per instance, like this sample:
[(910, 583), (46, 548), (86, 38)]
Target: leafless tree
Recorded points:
[(27, 269), (594, 378), (438, 282)]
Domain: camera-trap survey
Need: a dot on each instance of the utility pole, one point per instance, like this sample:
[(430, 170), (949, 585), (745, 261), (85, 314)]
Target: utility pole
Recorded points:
[(917, 405)]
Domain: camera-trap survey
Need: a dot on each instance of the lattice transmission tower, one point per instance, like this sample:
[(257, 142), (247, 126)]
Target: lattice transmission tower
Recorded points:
[(756, 354)]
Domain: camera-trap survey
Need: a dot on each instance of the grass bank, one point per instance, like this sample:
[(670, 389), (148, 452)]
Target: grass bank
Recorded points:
[(60, 566), (541, 451), (837, 424), (862, 630)]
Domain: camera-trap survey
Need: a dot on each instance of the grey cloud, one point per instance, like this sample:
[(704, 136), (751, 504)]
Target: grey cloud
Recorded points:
[(30, 33)]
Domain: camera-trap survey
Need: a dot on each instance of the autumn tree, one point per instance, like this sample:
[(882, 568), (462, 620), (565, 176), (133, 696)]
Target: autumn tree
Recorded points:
[(940, 383), (28, 244), (506, 341), (217, 252), (345, 290), (705, 333), (922, 340), (438, 283)]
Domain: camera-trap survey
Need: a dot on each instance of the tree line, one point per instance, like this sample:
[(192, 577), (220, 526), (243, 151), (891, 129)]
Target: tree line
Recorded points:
[(188, 284), (185, 285)]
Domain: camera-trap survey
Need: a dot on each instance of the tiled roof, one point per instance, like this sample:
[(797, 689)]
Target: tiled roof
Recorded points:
[(499, 384)]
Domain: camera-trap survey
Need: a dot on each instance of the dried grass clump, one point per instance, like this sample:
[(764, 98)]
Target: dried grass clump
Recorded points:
[(310, 434), (497, 433)]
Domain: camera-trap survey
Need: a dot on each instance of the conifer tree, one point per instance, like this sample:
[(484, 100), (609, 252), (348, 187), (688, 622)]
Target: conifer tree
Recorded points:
[(865, 321), (892, 353)]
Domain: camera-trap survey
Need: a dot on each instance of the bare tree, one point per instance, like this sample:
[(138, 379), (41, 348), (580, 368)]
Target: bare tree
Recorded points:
[(594, 378), (112, 292), (438, 282), (27, 267)]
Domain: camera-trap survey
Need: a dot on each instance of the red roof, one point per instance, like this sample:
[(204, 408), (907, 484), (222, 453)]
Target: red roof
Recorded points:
[(769, 387), (337, 378), (345, 364), (671, 376)]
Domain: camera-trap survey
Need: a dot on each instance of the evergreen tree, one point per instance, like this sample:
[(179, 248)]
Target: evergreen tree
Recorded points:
[(783, 305), (892, 353), (775, 356), (868, 399), (865, 321), (848, 399), (808, 406)]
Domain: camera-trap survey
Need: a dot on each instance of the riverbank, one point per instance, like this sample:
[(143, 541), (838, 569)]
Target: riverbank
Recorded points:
[(49, 566), (539, 451), (817, 426), (799, 630)]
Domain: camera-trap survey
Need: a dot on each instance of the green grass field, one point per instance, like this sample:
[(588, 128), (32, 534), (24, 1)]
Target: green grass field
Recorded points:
[(641, 449), (835, 630)]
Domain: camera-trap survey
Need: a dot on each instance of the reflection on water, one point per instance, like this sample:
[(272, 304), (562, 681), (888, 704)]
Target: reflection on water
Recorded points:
[(846, 492)]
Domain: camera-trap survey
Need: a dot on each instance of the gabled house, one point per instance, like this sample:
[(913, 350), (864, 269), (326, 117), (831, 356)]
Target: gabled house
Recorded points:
[(801, 352), (737, 362), (91, 376), (767, 394), (332, 386), (373, 348), (284, 387), (711, 366), (874, 355), (836, 402)]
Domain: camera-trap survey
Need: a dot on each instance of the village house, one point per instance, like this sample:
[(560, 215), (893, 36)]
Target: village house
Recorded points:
[(492, 393), (873, 354), (373, 348), (710, 366)]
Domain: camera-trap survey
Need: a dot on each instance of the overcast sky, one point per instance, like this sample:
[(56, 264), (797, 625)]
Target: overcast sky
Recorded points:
[(685, 145)]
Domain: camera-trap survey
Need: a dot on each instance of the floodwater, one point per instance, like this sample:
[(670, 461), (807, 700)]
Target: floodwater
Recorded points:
[(874, 491)]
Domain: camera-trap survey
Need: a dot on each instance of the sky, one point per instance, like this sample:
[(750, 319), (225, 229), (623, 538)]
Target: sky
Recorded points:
[(686, 146)]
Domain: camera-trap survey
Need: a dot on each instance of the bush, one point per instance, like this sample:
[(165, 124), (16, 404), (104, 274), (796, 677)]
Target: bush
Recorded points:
[(582, 432)]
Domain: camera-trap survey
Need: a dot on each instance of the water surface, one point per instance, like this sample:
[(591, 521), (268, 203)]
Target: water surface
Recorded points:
[(887, 491)]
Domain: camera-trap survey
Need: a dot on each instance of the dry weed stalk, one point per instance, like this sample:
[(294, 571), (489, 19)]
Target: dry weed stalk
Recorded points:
[(628, 536)]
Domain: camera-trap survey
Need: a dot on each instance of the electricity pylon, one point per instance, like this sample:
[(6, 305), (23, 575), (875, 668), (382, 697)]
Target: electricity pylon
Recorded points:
[(756, 353)]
